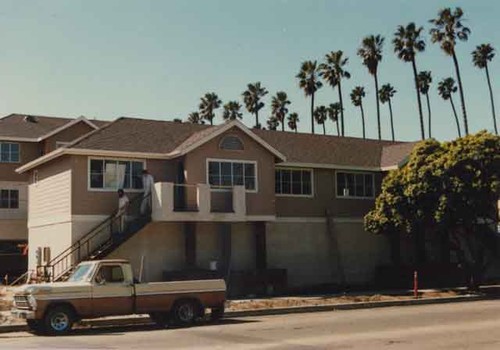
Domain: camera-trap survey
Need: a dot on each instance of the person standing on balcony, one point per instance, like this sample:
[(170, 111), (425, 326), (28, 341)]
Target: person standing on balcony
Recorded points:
[(147, 184), (121, 215)]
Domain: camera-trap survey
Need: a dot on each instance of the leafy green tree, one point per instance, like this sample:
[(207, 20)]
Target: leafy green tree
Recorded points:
[(273, 123), (209, 103), (252, 97), (293, 120), (321, 115), (371, 54), (424, 79), (334, 110), (407, 43), (309, 82), (232, 111), (483, 54), (195, 118), (446, 89), (448, 189), (333, 71), (279, 107), (448, 27), (386, 94), (357, 95)]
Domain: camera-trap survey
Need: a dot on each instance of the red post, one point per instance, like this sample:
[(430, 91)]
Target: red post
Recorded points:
[(415, 284)]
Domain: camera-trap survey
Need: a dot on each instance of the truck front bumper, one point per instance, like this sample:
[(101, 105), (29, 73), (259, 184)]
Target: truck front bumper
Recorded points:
[(23, 314)]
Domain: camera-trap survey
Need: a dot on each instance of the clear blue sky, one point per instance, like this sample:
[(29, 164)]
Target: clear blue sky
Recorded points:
[(154, 59)]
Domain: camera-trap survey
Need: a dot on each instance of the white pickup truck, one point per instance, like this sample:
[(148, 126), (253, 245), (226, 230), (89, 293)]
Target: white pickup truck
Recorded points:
[(106, 288)]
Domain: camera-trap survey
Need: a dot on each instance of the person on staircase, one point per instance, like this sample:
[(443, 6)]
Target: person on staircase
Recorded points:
[(121, 214), (147, 184)]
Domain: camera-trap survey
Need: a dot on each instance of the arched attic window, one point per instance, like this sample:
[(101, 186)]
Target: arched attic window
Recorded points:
[(231, 143)]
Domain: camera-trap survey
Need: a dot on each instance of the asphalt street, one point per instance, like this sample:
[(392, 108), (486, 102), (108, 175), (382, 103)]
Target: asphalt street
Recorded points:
[(472, 325)]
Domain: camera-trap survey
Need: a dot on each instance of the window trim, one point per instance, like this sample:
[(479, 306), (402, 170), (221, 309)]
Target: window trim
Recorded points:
[(128, 190), (19, 161), (208, 160), (354, 172), (231, 150), (9, 207), (296, 195)]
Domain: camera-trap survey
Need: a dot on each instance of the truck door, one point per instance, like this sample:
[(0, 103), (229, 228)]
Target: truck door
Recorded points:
[(112, 294)]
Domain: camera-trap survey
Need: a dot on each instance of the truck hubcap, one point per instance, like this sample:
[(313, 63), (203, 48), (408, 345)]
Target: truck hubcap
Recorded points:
[(59, 321), (186, 312)]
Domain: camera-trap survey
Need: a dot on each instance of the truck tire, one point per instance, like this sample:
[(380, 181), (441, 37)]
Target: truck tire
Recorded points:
[(217, 313), (36, 326), (161, 319), (185, 312), (59, 320)]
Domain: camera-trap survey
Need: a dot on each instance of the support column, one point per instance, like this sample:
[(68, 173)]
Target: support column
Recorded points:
[(260, 245), (190, 244)]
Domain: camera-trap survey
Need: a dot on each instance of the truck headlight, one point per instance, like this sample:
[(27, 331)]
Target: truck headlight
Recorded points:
[(32, 301)]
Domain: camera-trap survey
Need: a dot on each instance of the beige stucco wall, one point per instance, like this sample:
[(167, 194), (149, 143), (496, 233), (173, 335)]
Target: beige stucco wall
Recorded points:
[(29, 151), (305, 250), (162, 245), (260, 203), (325, 198)]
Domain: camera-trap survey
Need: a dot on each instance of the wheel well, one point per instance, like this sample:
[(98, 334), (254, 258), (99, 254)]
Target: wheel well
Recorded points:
[(195, 301), (61, 304)]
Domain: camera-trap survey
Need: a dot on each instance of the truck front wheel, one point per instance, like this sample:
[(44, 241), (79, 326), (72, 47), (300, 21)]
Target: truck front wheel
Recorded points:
[(59, 320)]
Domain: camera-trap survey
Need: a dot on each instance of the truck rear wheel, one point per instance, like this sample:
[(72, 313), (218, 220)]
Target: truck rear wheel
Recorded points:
[(59, 320), (185, 312)]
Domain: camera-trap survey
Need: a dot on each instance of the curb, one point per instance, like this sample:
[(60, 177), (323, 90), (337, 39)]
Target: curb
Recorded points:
[(123, 321)]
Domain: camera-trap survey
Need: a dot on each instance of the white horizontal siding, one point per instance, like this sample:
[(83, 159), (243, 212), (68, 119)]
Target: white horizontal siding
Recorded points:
[(50, 200)]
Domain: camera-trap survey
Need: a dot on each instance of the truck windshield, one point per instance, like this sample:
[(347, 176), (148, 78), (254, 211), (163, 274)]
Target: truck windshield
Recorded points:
[(80, 273)]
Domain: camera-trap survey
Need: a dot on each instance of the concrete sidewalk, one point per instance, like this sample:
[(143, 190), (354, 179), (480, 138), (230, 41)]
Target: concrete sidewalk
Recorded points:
[(297, 304)]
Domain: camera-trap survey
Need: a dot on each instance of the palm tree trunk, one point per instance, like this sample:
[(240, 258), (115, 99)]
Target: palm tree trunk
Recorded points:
[(363, 119), (338, 129), (283, 124), (491, 99), (392, 121), (312, 112), (429, 110), (341, 109), (456, 116), (378, 107), (415, 77), (257, 119), (461, 89), (295, 129), (324, 129)]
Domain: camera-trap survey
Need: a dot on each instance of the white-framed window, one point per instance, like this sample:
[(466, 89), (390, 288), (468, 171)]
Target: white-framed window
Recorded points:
[(355, 184), (9, 199), (228, 173), (9, 152), (294, 182), (113, 174)]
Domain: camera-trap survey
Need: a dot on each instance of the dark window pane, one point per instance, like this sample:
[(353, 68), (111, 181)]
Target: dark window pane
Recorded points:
[(250, 170), (226, 171), (96, 166), (96, 180), (341, 184), (277, 181), (14, 152), (306, 182), (296, 181), (286, 181), (350, 184), (238, 174), (4, 199), (249, 183), (231, 143), (136, 176), (359, 185), (369, 185), (14, 199)]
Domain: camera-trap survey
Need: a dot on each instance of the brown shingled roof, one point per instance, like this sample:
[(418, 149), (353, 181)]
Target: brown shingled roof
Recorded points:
[(34, 126), (154, 136)]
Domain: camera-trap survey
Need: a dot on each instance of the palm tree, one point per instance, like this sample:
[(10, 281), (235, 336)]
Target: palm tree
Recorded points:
[(321, 115), (209, 103), (252, 98), (334, 110), (272, 123), (293, 120), (195, 118), (279, 108), (386, 93), (447, 28), (424, 80), (332, 71), (483, 54), (310, 83), (357, 95), (232, 111), (407, 42), (371, 54), (446, 89)]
